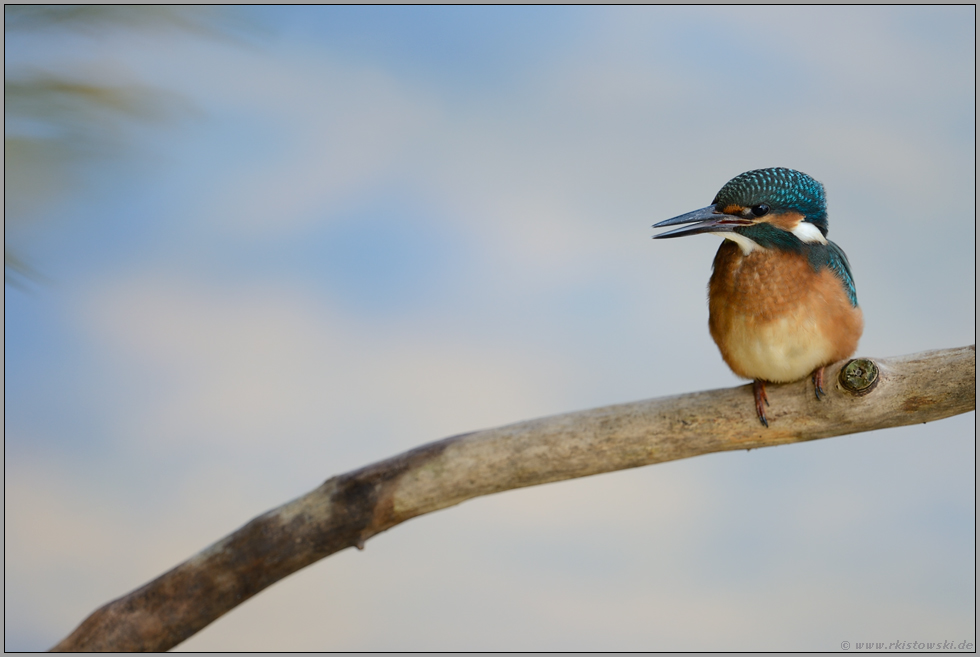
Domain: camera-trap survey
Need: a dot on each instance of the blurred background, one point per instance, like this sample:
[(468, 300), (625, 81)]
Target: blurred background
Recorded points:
[(249, 249)]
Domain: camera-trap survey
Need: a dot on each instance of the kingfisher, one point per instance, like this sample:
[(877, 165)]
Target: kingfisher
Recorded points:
[(781, 300)]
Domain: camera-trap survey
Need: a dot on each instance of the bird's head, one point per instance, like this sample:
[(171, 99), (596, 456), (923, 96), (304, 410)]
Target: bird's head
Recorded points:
[(768, 208)]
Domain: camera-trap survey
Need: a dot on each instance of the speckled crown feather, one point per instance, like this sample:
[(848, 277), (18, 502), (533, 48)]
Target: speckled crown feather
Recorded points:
[(781, 189)]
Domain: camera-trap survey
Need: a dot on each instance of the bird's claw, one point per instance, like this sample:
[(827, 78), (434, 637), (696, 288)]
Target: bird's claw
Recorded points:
[(818, 383), (761, 401)]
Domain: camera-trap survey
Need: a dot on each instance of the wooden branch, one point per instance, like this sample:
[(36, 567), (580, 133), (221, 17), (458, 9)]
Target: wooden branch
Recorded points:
[(349, 509)]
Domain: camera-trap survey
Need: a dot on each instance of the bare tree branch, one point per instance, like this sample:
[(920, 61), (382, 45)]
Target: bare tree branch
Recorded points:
[(349, 509)]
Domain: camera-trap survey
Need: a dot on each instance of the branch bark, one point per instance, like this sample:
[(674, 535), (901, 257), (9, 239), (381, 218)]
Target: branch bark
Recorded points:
[(348, 509)]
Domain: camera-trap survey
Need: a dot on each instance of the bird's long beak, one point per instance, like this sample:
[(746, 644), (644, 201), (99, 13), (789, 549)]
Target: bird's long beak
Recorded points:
[(705, 220)]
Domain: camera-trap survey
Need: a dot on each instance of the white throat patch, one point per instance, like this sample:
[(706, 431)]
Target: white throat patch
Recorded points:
[(807, 232), (744, 243)]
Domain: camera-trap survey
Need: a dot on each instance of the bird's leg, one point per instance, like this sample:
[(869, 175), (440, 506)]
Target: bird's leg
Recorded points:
[(818, 383), (761, 401)]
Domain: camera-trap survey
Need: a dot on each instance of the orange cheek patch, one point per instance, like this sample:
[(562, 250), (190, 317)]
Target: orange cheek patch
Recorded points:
[(786, 220), (732, 209)]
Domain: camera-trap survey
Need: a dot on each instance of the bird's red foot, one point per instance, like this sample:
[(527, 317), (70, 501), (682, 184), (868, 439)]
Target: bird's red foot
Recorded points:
[(818, 383), (761, 401)]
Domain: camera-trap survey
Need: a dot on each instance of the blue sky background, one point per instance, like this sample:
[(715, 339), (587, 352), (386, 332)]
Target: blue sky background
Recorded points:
[(366, 228)]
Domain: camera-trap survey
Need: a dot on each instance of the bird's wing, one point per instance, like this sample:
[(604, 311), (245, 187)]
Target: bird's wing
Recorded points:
[(837, 261)]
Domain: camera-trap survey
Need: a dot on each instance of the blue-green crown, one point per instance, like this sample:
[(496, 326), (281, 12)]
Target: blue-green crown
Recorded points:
[(781, 189)]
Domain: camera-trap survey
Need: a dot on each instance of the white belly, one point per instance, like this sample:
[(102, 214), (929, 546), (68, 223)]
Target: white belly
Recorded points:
[(783, 350)]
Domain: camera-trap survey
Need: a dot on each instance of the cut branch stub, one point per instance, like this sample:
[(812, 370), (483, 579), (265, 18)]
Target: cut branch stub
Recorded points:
[(859, 376)]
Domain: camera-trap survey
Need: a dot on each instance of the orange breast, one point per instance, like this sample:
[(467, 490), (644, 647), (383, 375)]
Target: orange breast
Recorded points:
[(774, 318)]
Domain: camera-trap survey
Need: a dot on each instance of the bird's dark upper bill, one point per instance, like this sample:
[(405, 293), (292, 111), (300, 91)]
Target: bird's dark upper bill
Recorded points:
[(705, 220)]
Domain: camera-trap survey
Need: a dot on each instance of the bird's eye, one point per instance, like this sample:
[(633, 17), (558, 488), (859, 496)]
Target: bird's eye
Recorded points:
[(760, 210)]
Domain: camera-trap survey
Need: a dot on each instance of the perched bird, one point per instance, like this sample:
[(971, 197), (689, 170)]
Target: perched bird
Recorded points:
[(782, 302)]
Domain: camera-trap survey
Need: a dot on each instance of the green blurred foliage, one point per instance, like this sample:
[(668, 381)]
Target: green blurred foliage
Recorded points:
[(209, 21), (57, 122)]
